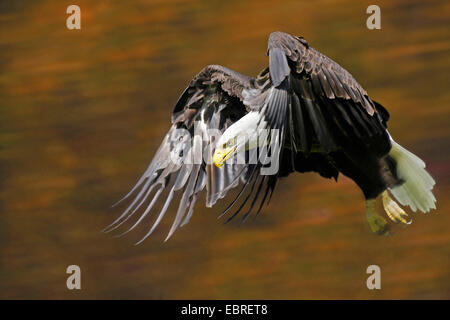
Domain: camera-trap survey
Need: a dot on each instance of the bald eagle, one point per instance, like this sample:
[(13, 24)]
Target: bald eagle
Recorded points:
[(307, 112)]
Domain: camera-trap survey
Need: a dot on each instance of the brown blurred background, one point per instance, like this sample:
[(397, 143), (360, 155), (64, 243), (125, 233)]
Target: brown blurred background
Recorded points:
[(82, 112)]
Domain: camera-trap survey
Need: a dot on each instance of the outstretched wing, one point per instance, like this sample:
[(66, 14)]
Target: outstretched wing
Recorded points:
[(327, 107), (213, 100)]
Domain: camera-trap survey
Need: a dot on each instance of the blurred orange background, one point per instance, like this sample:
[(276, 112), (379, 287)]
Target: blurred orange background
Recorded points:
[(82, 113)]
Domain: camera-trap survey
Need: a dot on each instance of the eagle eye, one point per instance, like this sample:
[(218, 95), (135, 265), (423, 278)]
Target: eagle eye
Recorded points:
[(231, 142)]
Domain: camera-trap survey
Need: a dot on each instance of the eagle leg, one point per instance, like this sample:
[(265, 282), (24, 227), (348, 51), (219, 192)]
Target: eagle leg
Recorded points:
[(377, 223), (393, 210)]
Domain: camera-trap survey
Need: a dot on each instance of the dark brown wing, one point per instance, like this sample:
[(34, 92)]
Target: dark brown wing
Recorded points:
[(213, 100), (327, 106), (229, 81), (328, 75)]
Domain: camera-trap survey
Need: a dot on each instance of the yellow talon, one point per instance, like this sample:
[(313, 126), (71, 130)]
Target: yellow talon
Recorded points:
[(393, 210), (377, 223)]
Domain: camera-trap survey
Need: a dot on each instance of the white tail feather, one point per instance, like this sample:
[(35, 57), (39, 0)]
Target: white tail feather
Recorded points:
[(416, 189)]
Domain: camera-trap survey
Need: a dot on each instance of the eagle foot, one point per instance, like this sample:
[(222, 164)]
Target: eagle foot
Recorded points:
[(377, 223), (393, 210)]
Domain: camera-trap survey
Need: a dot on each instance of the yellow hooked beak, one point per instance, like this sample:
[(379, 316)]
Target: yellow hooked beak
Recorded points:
[(222, 154)]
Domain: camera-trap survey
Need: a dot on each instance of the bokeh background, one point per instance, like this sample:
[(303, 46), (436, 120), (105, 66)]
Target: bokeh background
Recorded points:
[(82, 112)]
